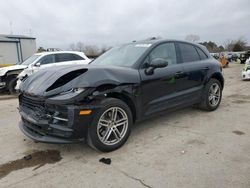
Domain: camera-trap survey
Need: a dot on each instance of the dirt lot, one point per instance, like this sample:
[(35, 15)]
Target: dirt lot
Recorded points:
[(187, 148)]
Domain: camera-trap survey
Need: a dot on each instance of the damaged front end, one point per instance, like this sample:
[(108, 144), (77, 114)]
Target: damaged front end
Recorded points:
[(55, 123), (60, 109)]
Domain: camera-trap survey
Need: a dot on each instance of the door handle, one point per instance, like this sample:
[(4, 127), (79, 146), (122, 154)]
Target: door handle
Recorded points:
[(205, 68), (178, 73)]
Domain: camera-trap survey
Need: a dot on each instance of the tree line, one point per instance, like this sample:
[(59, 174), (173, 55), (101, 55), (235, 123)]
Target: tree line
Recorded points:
[(235, 45), (89, 50)]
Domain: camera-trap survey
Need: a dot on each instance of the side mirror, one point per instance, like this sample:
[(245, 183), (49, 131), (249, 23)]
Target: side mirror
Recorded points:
[(155, 63), (38, 64)]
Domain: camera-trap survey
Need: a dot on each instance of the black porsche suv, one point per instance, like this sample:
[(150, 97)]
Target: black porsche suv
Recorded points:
[(100, 102)]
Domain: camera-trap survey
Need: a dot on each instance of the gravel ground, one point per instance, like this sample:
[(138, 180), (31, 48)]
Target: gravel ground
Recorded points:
[(186, 148)]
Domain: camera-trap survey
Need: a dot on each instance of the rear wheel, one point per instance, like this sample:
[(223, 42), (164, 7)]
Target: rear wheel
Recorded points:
[(212, 95), (111, 126)]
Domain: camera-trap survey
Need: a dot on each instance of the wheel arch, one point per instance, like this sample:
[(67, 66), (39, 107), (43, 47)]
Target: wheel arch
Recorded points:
[(219, 77), (12, 74), (123, 92), (123, 97)]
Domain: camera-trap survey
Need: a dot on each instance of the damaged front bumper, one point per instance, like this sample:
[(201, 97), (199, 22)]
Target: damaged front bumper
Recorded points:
[(53, 123)]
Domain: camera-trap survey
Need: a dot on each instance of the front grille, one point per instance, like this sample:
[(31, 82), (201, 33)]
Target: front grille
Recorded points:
[(41, 111), (35, 129), (37, 105), (42, 119)]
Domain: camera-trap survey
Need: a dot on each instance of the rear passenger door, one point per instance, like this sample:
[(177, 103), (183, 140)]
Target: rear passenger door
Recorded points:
[(195, 69)]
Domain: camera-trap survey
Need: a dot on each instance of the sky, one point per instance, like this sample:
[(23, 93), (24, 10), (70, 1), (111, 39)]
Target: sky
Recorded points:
[(59, 23)]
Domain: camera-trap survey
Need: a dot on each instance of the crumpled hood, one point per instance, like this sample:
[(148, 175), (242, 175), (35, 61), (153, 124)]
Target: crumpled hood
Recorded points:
[(4, 70), (43, 83)]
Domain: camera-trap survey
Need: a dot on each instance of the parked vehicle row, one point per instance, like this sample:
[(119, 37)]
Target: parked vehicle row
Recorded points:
[(232, 56), (101, 101)]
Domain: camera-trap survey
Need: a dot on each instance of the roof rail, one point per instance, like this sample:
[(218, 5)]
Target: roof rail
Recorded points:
[(152, 38), (53, 49)]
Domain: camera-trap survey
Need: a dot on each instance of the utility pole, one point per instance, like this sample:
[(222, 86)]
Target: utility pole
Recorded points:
[(30, 32), (11, 29)]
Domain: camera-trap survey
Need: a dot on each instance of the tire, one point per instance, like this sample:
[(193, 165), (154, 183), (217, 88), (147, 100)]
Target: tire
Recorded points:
[(102, 134), (211, 101), (11, 86)]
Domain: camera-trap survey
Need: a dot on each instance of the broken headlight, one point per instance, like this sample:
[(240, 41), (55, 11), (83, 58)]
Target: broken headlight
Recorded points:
[(68, 94), (73, 90)]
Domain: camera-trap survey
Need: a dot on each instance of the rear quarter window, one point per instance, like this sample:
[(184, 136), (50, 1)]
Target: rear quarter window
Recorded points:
[(76, 57), (68, 57), (188, 53), (201, 54)]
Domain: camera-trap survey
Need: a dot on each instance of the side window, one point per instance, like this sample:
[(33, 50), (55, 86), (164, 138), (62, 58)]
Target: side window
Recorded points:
[(76, 57), (67, 57), (165, 51), (47, 59), (201, 54), (188, 53), (62, 57)]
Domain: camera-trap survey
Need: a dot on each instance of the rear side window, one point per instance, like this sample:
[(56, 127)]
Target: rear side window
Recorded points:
[(68, 57), (47, 59), (76, 57), (201, 54), (188, 53)]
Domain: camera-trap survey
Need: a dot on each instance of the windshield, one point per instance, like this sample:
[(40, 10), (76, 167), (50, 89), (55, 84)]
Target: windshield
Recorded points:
[(125, 55), (30, 60)]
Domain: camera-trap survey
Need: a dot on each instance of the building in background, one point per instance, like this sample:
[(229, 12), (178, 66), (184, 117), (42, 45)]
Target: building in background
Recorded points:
[(15, 49)]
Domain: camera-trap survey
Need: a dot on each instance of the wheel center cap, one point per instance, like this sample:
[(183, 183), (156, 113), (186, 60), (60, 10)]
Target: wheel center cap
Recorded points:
[(111, 124)]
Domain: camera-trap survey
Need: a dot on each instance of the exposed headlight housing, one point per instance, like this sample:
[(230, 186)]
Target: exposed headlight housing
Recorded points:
[(78, 90), (68, 94), (73, 90)]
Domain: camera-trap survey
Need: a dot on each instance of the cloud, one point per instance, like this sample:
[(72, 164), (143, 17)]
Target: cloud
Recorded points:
[(58, 23)]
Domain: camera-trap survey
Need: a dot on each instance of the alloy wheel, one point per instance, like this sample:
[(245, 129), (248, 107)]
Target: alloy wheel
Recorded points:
[(112, 126), (214, 94)]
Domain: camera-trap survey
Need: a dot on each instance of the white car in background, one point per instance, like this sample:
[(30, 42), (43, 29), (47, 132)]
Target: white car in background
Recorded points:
[(246, 70), (48, 59)]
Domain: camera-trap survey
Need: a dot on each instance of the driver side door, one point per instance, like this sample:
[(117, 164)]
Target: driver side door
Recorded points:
[(160, 89)]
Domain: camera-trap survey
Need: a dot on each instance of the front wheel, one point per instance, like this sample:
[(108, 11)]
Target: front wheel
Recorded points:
[(212, 95), (111, 126), (12, 85)]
